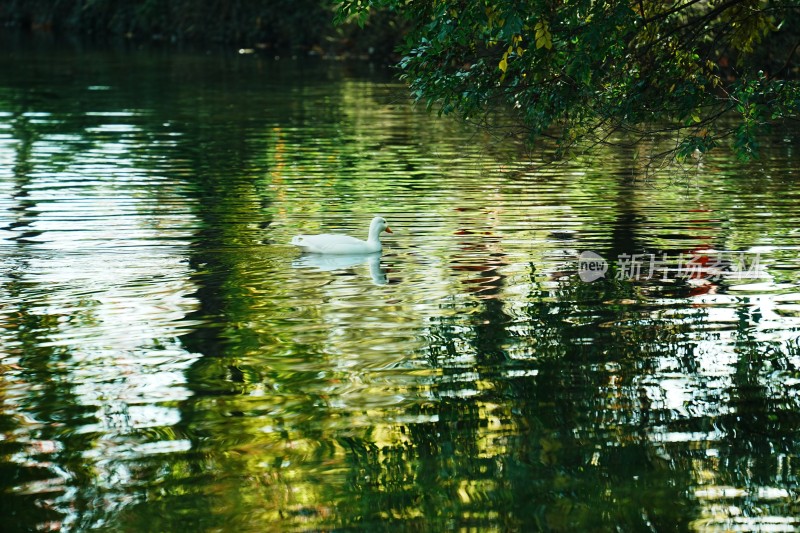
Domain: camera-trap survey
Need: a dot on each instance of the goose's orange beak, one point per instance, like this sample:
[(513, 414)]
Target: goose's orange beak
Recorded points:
[(388, 230)]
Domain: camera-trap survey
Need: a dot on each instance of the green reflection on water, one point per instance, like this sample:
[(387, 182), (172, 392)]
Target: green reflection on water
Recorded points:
[(169, 363)]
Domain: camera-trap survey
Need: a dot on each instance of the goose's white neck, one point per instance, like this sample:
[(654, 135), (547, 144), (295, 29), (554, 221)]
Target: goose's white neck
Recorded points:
[(374, 233)]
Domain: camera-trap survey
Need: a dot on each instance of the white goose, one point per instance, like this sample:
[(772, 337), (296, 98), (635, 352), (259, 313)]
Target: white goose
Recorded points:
[(327, 243)]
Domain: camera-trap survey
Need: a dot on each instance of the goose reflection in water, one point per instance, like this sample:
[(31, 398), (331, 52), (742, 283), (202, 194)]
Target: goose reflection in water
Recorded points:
[(328, 263)]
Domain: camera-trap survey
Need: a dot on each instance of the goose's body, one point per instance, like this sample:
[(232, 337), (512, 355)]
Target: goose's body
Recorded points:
[(328, 243)]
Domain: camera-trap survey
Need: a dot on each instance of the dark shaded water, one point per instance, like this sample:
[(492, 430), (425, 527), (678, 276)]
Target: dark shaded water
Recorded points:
[(168, 363)]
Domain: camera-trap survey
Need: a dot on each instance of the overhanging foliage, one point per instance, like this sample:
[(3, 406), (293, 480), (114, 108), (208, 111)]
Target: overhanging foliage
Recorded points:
[(584, 72)]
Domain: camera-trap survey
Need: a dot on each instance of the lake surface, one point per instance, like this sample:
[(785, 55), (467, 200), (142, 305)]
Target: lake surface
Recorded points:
[(585, 346)]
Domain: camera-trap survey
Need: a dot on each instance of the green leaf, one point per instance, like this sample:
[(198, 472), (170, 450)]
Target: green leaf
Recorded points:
[(542, 33)]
